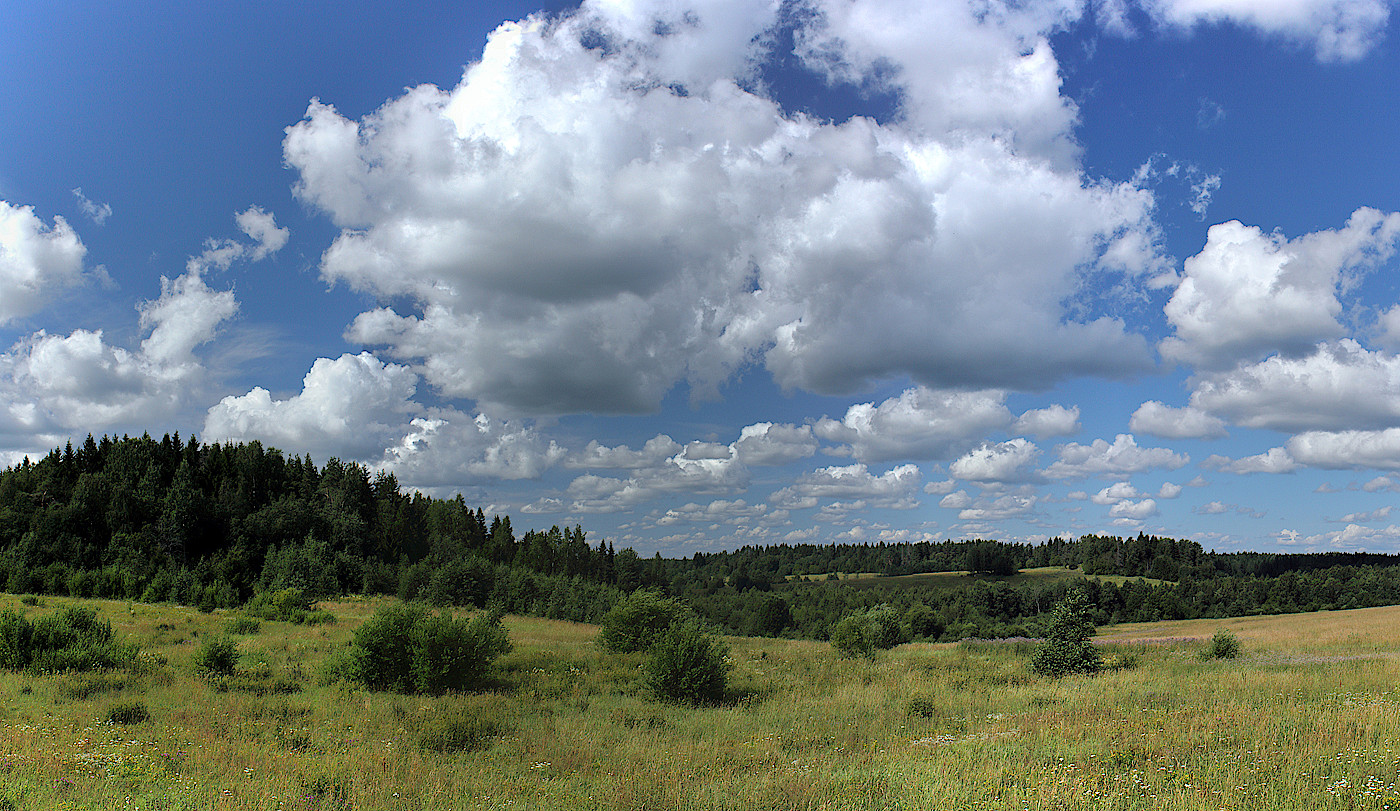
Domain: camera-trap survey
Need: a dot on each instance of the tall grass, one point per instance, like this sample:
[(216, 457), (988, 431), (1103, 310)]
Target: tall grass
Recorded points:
[(1305, 718)]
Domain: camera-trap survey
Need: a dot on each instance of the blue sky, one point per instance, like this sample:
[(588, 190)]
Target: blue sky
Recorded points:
[(704, 274)]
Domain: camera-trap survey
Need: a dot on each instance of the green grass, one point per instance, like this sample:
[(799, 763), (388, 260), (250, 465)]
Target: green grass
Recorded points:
[(1306, 718)]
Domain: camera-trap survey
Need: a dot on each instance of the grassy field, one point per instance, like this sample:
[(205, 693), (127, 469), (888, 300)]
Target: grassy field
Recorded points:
[(1307, 718), (956, 580)]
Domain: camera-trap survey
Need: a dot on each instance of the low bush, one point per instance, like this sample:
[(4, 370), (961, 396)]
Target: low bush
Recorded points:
[(287, 605), (863, 634), (1224, 645), (403, 648), (243, 626), (217, 656), (639, 619), (133, 712), (72, 639), (688, 664)]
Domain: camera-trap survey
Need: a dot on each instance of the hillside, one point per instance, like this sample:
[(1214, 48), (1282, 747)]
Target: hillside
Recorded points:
[(1305, 719)]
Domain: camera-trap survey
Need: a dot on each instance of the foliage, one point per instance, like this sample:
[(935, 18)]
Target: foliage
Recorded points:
[(72, 639), (687, 664), (131, 712), (639, 619), (458, 729), (404, 649), (287, 605), (216, 656), (1067, 648), (1224, 645), (878, 628), (242, 625)]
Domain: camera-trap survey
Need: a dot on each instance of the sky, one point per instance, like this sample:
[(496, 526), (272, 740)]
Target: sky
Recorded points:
[(704, 274)]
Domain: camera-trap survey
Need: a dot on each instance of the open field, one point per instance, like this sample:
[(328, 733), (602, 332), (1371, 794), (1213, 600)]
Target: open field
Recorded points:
[(1307, 718), (956, 580)]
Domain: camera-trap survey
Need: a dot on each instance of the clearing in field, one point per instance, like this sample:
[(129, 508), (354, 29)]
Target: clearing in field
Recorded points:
[(1306, 718)]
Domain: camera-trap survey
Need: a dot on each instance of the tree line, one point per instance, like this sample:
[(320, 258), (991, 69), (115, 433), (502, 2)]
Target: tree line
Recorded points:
[(214, 525)]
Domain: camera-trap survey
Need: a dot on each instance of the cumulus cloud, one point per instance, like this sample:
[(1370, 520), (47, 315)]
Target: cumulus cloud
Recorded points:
[(918, 424), (766, 444), (358, 407), (1161, 420), (1121, 457), (1046, 423), (1008, 461), (1340, 385), (1342, 450), (1134, 510), (261, 227), (1337, 30), (1115, 493), (1275, 460), (606, 203), (1370, 516), (1248, 294), (35, 260), (893, 488)]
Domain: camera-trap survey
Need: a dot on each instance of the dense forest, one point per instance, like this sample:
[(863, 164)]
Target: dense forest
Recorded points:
[(214, 525)]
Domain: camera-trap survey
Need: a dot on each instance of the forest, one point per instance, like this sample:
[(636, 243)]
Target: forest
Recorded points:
[(213, 526)]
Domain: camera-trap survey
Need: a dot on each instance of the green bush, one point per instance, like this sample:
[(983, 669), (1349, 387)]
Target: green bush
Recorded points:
[(850, 636), (688, 664), (1067, 648), (287, 605), (129, 713), (402, 648), (72, 639), (639, 619), (243, 625), (1224, 645), (217, 656)]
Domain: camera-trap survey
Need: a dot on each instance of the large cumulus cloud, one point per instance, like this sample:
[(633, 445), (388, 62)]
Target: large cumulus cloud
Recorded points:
[(35, 260), (606, 206)]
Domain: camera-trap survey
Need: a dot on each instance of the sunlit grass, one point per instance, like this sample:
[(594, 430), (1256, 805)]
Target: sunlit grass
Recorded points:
[(1306, 718)]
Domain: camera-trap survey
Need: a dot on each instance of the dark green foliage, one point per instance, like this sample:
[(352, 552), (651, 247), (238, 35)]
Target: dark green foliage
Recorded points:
[(878, 628), (921, 623), (72, 639), (921, 708), (1067, 648), (217, 656), (639, 619), (851, 637), (242, 626), (133, 712), (990, 557), (404, 649), (287, 605), (687, 664), (453, 654), (1224, 645)]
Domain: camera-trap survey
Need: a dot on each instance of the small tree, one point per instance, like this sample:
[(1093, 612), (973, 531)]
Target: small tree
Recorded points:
[(851, 638), (218, 656), (688, 664), (1067, 648), (1224, 645), (639, 619), (403, 648)]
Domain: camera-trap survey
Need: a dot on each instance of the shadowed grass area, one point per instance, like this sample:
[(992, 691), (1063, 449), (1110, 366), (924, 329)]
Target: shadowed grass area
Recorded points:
[(1305, 718)]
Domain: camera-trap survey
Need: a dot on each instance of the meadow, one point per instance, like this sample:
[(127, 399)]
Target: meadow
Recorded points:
[(1038, 575), (1308, 717)]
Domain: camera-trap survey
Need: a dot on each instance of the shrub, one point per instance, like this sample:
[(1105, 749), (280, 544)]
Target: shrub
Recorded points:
[(72, 639), (639, 619), (687, 664), (1224, 645), (129, 713), (453, 654), (1067, 648), (851, 637), (286, 605), (402, 648), (217, 656), (242, 625), (921, 708), (863, 634)]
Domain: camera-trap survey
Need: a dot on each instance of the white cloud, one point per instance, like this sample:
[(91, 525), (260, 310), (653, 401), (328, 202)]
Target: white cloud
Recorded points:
[(1249, 294), (360, 408), (1337, 30), (1161, 420), (1378, 514), (35, 260), (956, 500), (596, 455), (1275, 460), (1134, 510), (1001, 462), (1381, 484), (999, 508), (918, 424), (940, 488), (608, 236), (893, 488), (1340, 385), (1169, 490), (97, 212), (1342, 450), (1213, 508), (1356, 538), (1046, 423), (764, 444), (1114, 493), (1120, 458), (261, 226), (186, 315)]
